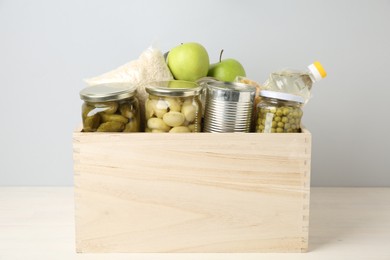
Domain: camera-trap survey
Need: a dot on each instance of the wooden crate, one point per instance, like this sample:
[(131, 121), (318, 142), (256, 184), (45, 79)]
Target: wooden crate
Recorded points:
[(230, 192)]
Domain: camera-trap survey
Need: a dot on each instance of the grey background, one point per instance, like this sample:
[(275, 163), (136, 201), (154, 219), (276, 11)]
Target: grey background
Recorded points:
[(48, 47)]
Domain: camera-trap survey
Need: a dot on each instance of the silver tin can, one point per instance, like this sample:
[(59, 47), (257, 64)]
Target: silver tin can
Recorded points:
[(203, 82), (229, 107)]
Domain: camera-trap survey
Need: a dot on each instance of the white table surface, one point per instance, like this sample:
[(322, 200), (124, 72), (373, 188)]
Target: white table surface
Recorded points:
[(345, 223)]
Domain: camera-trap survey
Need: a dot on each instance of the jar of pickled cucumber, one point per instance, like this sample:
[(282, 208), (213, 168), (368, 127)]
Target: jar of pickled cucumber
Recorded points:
[(279, 112), (173, 106), (110, 108)]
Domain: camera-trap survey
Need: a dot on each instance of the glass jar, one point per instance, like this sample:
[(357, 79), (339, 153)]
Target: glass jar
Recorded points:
[(173, 106), (110, 108), (279, 112)]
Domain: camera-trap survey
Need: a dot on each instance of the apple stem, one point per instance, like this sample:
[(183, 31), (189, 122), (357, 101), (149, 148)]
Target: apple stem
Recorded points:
[(220, 55)]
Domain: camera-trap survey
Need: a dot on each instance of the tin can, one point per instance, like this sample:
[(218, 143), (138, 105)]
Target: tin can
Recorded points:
[(203, 83), (229, 107)]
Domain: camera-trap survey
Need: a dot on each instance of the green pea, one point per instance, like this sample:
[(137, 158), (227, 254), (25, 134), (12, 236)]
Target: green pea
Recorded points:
[(285, 119), (279, 112), (264, 110), (286, 111), (261, 127)]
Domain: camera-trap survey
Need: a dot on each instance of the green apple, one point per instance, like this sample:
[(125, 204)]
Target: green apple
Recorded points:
[(188, 61), (226, 70)]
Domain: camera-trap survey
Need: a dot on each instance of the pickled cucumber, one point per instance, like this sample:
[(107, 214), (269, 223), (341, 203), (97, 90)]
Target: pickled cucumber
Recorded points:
[(112, 126), (111, 116), (127, 110), (132, 126), (91, 123), (107, 107), (114, 117), (85, 109)]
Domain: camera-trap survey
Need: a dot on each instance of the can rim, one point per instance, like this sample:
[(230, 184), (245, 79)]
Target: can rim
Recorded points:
[(232, 86)]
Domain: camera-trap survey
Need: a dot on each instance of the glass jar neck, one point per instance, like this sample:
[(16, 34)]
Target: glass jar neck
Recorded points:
[(275, 101)]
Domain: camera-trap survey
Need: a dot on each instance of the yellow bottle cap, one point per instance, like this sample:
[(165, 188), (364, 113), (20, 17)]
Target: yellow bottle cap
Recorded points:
[(320, 69), (317, 71)]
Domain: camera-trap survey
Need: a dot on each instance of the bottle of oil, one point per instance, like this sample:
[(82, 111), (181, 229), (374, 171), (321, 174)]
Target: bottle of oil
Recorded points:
[(295, 82)]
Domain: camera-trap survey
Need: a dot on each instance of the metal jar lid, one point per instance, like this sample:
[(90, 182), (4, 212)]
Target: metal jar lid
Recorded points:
[(173, 88), (282, 96), (107, 92), (230, 91)]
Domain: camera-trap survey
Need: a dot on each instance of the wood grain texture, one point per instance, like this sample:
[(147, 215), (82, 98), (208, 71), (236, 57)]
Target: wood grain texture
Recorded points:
[(37, 223), (233, 192)]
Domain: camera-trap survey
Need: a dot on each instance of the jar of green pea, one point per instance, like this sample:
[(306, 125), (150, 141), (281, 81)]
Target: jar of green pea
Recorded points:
[(279, 112)]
